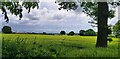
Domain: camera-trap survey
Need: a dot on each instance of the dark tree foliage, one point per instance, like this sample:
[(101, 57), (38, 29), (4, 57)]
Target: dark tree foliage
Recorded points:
[(82, 32), (62, 32), (71, 33), (16, 9), (44, 33), (89, 8), (99, 11), (88, 32), (7, 29), (109, 30), (68, 5), (116, 29)]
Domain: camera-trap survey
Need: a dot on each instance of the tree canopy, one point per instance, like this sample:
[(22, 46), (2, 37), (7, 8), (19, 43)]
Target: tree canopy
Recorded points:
[(7, 29), (16, 8), (62, 32), (99, 11), (89, 8), (88, 32), (82, 32), (71, 33)]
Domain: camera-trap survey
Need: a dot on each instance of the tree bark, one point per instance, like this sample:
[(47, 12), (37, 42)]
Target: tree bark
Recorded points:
[(102, 24)]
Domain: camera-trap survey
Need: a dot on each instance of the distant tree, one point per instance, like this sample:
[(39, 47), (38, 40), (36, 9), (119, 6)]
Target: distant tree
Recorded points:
[(7, 29), (82, 32), (62, 32), (50, 34), (90, 32), (71, 33), (14, 32), (33, 33), (44, 32)]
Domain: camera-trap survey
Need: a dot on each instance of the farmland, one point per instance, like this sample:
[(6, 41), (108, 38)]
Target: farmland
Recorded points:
[(33, 45)]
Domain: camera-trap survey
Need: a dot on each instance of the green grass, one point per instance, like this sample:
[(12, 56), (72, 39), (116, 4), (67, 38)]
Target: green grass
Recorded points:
[(31, 45)]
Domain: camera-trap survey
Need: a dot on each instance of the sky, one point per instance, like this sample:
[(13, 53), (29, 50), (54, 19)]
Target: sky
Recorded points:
[(51, 20)]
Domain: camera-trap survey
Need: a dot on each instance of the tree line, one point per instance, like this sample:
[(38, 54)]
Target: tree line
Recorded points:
[(89, 32)]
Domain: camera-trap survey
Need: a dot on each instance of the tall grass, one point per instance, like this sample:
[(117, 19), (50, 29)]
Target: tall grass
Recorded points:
[(25, 45)]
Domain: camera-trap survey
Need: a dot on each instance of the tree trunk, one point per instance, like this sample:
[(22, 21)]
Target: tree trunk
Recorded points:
[(102, 24)]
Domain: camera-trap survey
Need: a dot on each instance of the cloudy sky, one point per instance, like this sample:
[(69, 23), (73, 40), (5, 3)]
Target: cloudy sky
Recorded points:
[(51, 20)]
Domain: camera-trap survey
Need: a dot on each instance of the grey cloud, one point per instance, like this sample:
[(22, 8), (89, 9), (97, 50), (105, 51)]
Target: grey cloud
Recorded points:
[(31, 16), (58, 17), (43, 20)]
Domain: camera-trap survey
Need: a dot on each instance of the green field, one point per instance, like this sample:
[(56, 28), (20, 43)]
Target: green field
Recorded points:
[(34, 45)]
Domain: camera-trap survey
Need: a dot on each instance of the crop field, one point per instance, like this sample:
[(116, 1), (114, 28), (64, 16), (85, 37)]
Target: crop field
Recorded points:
[(34, 45)]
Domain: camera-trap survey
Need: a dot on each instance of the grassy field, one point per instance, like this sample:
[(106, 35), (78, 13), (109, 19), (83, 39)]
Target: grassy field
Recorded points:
[(31, 45)]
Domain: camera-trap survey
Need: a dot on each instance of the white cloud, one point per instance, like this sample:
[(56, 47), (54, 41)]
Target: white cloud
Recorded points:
[(47, 0), (115, 19), (49, 19)]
